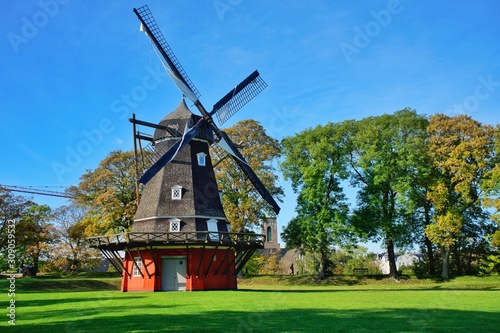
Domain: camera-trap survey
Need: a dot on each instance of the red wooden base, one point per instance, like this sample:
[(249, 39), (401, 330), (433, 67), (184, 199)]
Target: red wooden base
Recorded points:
[(203, 269)]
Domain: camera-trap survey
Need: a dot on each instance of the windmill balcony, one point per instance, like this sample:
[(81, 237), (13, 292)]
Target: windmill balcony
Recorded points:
[(131, 239)]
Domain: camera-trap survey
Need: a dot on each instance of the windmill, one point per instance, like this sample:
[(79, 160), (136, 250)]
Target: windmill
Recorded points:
[(180, 238)]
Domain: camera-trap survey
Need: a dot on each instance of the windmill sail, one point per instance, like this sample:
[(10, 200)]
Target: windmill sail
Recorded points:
[(234, 100), (186, 91), (153, 32), (166, 158), (226, 144), (231, 103)]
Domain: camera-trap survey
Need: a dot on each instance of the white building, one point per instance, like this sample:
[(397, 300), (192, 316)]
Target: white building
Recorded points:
[(407, 259)]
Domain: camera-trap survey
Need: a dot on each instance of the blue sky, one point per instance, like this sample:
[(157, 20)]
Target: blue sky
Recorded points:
[(73, 72)]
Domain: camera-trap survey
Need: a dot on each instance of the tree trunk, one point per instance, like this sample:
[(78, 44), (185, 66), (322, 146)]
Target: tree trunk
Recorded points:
[(35, 265), (458, 262), (428, 243), (393, 271), (469, 259), (322, 266), (430, 253), (445, 256)]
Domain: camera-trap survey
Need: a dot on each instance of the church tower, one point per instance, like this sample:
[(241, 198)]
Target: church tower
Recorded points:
[(269, 228)]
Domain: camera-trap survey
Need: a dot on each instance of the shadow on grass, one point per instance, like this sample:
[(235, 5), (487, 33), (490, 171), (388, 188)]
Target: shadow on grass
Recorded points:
[(423, 289), (50, 284), (49, 302), (113, 320)]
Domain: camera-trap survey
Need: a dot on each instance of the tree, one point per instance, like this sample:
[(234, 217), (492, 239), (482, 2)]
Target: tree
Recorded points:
[(491, 187), (108, 194), (242, 207), (36, 234), (315, 162), (12, 208), (384, 161), (72, 251), (461, 150)]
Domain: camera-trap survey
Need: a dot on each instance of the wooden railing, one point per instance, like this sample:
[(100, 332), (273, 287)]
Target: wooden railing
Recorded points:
[(189, 237)]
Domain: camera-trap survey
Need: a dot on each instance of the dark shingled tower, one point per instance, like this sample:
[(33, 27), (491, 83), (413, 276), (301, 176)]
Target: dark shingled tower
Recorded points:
[(198, 198)]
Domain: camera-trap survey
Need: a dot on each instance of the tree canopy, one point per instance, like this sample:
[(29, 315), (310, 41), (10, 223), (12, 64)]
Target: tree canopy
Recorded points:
[(243, 206), (315, 162), (108, 194), (417, 180), (462, 151)]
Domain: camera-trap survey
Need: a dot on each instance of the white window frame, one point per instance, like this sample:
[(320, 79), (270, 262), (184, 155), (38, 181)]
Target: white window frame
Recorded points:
[(202, 159), (175, 225), (176, 192), (138, 262), (213, 230)]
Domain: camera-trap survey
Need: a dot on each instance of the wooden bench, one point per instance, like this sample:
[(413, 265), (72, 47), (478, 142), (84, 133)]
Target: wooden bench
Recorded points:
[(360, 271)]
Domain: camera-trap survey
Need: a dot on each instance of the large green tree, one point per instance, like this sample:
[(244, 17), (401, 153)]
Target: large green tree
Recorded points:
[(315, 162), (108, 194), (461, 150), (243, 207), (385, 158)]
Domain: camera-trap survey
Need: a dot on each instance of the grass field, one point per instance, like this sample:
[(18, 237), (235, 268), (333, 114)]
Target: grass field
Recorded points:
[(262, 304)]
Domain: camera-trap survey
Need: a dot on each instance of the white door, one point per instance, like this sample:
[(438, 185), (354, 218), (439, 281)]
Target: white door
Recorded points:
[(173, 273)]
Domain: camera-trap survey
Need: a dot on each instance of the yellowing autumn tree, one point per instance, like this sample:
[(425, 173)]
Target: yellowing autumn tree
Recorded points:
[(108, 193), (461, 150), (491, 186), (243, 206)]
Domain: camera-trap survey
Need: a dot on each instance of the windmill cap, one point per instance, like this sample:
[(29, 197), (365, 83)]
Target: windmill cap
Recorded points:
[(177, 120)]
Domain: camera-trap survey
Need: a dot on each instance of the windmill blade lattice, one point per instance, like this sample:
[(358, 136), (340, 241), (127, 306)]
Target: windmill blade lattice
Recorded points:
[(155, 35), (234, 100), (230, 148), (235, 174)]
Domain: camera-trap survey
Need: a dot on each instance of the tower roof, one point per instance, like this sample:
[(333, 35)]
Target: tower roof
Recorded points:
[(177, 121)]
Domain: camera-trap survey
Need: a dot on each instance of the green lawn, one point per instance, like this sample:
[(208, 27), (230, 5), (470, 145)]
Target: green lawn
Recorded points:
[(263, 304)]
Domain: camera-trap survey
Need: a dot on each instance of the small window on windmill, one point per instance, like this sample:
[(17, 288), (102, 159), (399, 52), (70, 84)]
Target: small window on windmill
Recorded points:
[(176, 192), (175, 225), (137, 266), (213, 231), (202, 159)]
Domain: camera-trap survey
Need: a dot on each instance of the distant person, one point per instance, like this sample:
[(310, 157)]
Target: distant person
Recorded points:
[(291, 268)]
